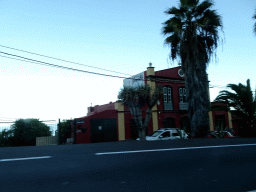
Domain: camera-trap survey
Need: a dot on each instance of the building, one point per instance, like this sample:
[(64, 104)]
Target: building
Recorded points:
[(114, 122)]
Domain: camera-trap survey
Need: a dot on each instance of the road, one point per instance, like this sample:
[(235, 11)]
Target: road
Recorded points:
[(180, 165)]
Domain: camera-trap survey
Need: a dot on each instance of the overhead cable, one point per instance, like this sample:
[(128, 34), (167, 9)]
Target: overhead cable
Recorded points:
[(76, 63), (79, 70), (59, 66)]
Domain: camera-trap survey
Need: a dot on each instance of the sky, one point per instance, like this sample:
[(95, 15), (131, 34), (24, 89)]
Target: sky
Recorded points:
[(111, 35)]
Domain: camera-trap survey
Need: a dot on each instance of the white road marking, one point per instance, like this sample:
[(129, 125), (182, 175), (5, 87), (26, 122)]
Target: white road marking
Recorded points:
[(27, 158), (175, 149)]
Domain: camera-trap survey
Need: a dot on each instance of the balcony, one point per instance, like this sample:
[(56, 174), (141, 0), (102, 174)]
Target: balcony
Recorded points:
[(168, 106), (183, 106)]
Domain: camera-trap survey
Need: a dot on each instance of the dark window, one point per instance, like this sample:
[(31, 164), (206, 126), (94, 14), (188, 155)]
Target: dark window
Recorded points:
[(220, 122), (166, 134), (182, 94), (169, 122), (167, 92)]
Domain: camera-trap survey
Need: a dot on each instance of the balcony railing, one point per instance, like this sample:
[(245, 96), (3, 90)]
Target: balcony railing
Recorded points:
[(183, 106), (168, 106)]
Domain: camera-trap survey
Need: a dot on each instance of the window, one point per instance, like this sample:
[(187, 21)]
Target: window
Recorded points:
[(156, 133), (165, 94), (182, 93), (220, 122), (166, 134), (168, 98)]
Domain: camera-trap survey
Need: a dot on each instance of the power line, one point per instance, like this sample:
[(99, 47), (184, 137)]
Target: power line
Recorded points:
[(8, 118), (62, 60), (79, 70), (25, 119), (59, 66), (62, 67), (7, 122), (216, 86)]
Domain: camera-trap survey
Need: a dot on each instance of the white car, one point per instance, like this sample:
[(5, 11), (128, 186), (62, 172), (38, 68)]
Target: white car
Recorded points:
[(165, 134)]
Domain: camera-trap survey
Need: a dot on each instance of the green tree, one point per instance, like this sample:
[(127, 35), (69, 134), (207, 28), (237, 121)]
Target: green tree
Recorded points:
[(5, 138), (24, 132), (65, 131), (135, 99), (193, 38), (241, 98)]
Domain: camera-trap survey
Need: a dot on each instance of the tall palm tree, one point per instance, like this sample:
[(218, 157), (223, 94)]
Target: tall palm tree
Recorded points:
[(193, 38), (241, 99)]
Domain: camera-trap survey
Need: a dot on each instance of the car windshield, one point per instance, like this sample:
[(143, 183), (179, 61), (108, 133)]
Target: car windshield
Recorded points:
[(156, 133)]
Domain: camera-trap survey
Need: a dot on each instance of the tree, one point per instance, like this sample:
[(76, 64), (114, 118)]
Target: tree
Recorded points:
[(135, 99), (24, 132), (65, 131), (241, 99), (254, 28), (193, 38), (5, 138)]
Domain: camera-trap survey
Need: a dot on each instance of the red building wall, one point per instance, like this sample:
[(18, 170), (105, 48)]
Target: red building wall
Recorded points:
[(99, 108), (171, 73), (176, 113), (108, 110), (86, 137)]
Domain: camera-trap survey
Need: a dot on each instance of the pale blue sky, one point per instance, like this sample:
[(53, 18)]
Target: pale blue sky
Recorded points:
[(123, 36)]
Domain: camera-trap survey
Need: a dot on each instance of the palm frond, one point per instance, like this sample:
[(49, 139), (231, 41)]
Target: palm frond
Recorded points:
[(254, 28), (214, 18), (189, 3), (173, 41), (201, 8), (172, 25), (242, 99), (139, 96), (176, 12)]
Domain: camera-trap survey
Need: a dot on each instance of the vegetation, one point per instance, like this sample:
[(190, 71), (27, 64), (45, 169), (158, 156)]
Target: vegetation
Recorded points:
[(135, 99), (24, 132), (65, 131), (193, 38), (242, 100)]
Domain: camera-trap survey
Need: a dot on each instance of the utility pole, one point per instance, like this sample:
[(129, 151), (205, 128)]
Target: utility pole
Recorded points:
[(74, 131)]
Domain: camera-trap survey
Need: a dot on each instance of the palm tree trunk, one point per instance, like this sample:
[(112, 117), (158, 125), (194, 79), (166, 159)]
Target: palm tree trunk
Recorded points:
[(137, 116), (198, 101), (148, 116), (145, 124), (143, 134)]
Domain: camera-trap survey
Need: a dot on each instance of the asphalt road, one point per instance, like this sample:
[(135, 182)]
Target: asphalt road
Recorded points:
[(180, 165)]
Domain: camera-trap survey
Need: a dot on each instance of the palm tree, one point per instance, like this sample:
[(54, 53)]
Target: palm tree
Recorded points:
[(254, 17), (137, 97), (241, 99), (193, 37)]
